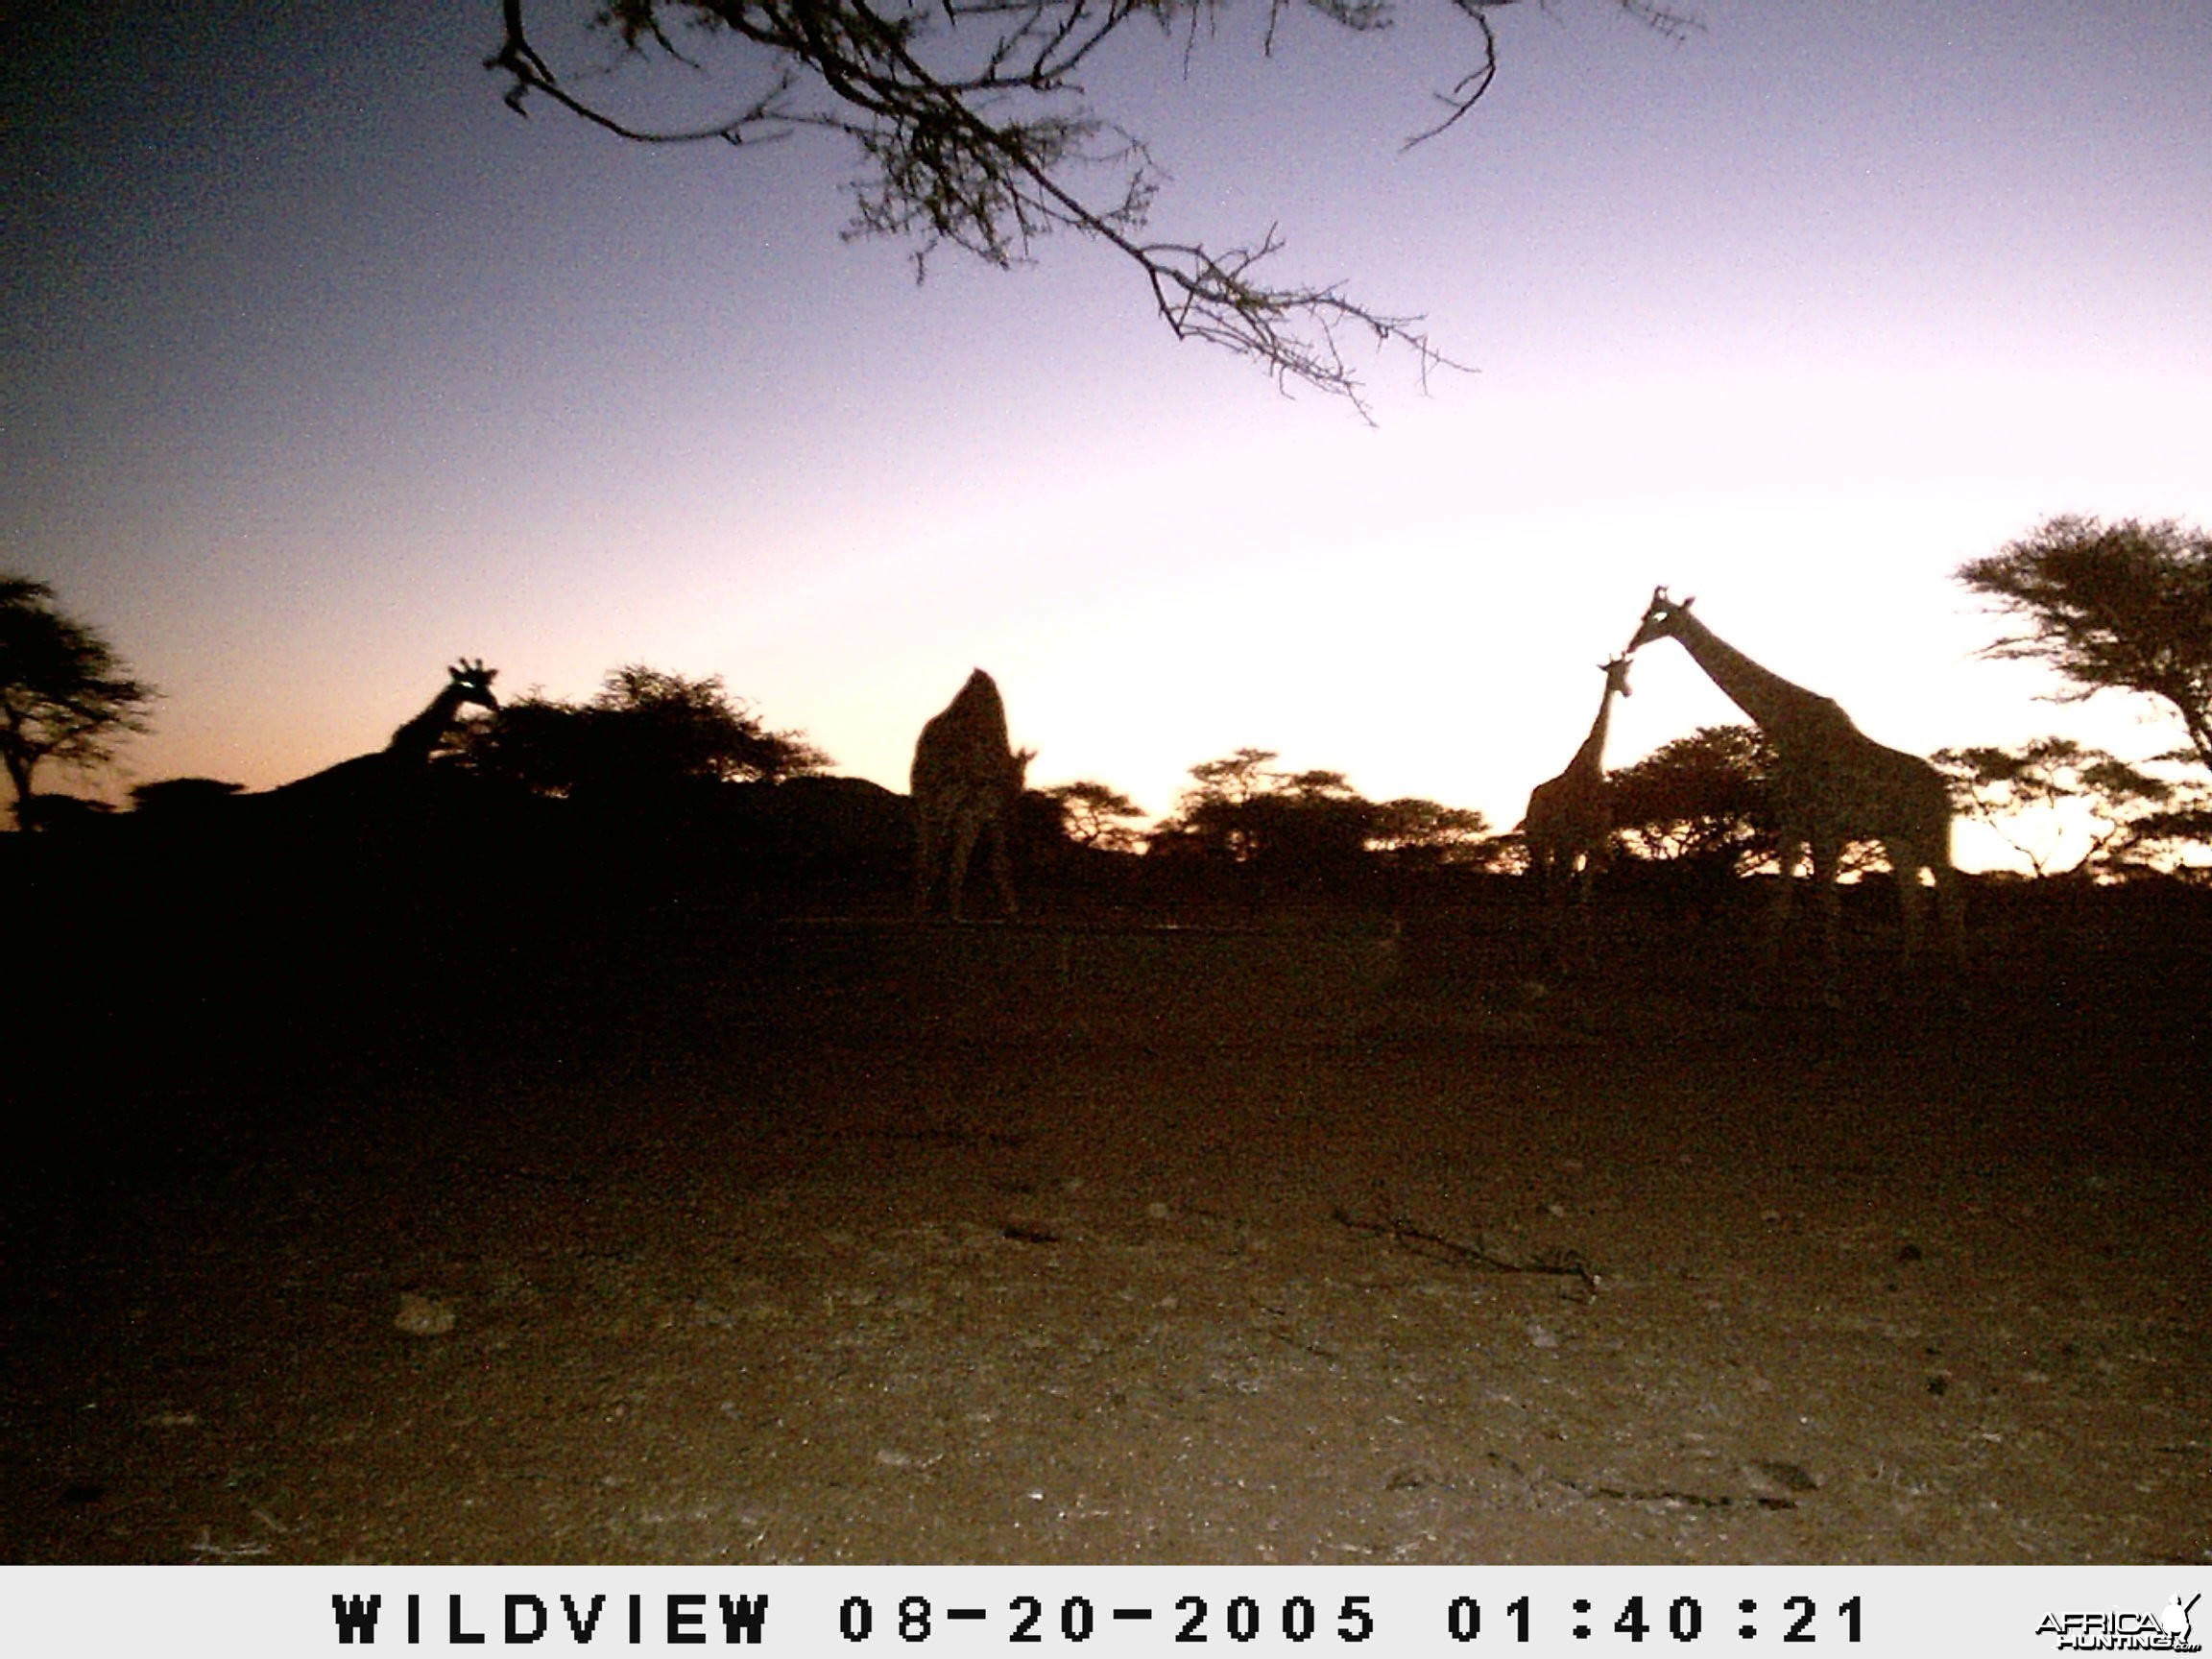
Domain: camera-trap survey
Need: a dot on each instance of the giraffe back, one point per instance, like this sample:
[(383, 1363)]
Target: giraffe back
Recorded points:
[(964, 754)]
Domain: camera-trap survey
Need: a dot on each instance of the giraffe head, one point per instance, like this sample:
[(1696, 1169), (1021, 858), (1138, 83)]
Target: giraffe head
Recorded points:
[(1616, 674), (470, 683), (1663, 618)]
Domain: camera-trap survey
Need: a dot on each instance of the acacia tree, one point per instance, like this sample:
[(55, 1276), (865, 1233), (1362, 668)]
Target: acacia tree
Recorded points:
[(1700, 799), (2123, 607), (1418, 832), (2040, 796), (1094, 814), (1241, 811), (974, 131), (645, 733), (65, 695)]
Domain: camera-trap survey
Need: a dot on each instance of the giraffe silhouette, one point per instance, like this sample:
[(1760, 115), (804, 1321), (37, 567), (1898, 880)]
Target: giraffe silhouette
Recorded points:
[(967, 784), (1831, 783), (1569, 824), (406, 759), (466, 684)]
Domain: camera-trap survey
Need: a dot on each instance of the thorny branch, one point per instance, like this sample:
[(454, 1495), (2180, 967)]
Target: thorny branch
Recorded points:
[(970, 118)]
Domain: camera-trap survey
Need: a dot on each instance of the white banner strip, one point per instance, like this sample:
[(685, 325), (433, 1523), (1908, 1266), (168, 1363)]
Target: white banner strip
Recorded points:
[(1991, 1612)]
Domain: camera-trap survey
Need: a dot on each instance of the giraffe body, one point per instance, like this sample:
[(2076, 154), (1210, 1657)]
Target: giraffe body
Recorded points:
[(1831, 785), (967, 785), (1568, 827)]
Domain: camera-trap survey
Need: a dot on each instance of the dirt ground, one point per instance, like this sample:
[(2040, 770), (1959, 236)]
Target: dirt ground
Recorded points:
[(1541, 1270)]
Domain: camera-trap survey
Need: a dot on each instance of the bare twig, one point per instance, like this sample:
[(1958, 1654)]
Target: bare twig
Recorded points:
[(1419, 1241)]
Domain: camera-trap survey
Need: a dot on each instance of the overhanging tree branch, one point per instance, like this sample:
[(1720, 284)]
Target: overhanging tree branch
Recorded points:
[(972, 124)]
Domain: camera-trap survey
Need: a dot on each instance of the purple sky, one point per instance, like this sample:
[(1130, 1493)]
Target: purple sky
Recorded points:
[(322, 368)]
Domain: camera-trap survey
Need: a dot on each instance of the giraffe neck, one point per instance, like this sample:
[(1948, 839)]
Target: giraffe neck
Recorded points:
[(1590, 756), (415, 740), (1773, 702)]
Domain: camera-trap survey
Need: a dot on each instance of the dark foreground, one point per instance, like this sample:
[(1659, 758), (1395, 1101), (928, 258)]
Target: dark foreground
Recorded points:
[(718, 1244)]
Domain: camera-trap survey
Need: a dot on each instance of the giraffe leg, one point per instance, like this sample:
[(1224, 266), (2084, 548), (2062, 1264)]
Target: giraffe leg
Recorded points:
[(1950, 912), (926, 849), (1950, 932), (956, 877), (1002, 868), (1544, 875), (1827, 855), (1905, 867), (1950, 929), (1554, 870), (1585, 939), (1786, 856)]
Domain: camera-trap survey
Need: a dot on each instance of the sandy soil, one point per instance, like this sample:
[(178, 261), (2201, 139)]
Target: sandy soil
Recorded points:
[(1547, 1272)]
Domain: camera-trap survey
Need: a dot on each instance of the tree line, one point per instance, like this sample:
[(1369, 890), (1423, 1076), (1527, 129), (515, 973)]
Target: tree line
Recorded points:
[(2125, 607)]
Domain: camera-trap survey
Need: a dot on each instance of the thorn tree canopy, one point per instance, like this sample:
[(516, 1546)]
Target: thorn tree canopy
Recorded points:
[(974, 131), (647, 732), (2122, 607), (63, 693), (1091, 814), (1700, 799), (2026, 796)]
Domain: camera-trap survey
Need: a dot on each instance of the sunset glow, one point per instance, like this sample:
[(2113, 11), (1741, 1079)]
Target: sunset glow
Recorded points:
[(322, 369)]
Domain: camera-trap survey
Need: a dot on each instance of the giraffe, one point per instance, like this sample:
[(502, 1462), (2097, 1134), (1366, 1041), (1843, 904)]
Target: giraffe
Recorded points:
[(407, 756), (1832, 783), (1569, 824), (967, 782), (466, 684)]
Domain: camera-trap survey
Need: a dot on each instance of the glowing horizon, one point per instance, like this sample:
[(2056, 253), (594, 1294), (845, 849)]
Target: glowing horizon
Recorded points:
[(308, 396)]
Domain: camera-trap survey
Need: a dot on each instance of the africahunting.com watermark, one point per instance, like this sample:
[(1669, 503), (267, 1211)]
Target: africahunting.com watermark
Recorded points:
[(2113, 1631)]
